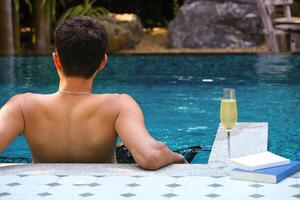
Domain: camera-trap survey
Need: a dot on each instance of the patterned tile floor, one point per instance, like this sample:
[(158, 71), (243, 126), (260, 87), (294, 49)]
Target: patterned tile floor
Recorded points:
[(19, 187)]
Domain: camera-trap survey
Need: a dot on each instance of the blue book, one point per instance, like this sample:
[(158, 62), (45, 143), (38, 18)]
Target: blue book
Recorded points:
[(267, 175)]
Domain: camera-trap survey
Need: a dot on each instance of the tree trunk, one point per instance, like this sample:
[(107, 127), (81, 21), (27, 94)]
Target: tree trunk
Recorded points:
[(6, 28), (86, 2), (42, 27), (16, 29)]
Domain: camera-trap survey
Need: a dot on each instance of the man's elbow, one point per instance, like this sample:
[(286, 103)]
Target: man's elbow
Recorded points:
[(149, 162)]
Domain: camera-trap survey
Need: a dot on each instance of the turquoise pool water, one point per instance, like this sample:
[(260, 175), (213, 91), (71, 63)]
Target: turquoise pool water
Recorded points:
[(180, 95)]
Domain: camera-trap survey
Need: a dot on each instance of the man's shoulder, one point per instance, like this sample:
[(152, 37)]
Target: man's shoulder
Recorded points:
[(27, 95), (115, 96), (117, 99)]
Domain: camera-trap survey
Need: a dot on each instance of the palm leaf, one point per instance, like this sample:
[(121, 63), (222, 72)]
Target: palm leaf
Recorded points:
[(16, 4), (81, 9), (77, 11), (65, 15)]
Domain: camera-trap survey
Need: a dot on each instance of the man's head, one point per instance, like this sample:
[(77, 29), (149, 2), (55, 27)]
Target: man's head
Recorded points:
[(81, 44)]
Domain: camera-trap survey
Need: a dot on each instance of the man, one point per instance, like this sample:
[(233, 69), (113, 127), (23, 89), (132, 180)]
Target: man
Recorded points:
[(73, 124)]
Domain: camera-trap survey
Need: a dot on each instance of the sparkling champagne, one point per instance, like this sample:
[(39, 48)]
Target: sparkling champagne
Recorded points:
[(228, 114)]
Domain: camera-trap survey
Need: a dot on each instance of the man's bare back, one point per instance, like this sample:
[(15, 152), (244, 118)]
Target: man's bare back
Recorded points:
[(73, 124), (71, 128)]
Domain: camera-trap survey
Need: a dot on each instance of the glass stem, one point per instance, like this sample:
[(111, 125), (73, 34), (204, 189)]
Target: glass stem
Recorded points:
[(228, 143)]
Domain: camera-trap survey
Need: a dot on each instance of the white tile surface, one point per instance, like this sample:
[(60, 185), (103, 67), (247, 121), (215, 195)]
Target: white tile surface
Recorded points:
[(150, 187), (76, 180), (37, 180), (5, 179), (115, 180)]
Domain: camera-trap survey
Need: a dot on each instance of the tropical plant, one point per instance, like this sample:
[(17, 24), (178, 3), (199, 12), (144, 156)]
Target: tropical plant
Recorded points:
[(52, 6), (86, 9)]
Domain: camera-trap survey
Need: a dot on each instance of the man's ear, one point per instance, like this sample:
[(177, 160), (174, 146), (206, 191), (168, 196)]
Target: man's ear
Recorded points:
[(103, 63), (57, 62)]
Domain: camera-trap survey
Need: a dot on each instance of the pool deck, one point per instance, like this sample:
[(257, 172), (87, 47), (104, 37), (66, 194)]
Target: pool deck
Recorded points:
[(125, 181)]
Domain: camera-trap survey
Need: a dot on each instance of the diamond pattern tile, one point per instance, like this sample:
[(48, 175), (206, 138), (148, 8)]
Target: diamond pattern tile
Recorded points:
[(256, 196), (129, 187), (256, 185), (133, 185), (99, 176), (61, 175), (169, 195), (44, 194), (13, 184), (53, 184), (212, 195), (297, 196), (22, 175), (295, 185), (86, 194), (217, 176), (173, 185), (177, 176), (128, 195), (93, 184), (215, 185), (2, 194), (137, 176)]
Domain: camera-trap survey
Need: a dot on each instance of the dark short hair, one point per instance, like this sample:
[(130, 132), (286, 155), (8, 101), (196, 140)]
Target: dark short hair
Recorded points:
[(81, 43)]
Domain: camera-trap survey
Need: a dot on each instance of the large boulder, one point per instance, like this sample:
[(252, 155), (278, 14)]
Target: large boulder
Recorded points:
[(124, 31), (212, 24)]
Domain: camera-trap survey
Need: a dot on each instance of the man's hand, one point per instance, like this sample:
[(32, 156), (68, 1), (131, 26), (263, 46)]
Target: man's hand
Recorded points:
[(146, 151)]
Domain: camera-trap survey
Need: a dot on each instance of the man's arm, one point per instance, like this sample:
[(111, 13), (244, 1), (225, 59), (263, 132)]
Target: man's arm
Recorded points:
[(146, 151), (11, 122)]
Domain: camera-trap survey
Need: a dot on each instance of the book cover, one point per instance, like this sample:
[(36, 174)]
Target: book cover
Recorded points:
[(259, 161), (268, 175)]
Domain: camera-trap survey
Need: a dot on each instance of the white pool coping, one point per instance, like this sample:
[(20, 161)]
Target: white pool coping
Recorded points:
[(246, 138), (127, 181)]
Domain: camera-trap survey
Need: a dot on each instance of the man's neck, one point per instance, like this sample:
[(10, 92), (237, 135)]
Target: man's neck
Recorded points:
[(75, 85)]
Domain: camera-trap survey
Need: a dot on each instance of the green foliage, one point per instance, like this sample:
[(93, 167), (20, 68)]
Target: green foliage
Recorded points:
[(82, 9), (52, 6), (16, 4), (176, 5)]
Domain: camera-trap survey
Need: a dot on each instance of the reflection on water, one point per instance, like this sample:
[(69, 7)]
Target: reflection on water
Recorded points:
[(7, 70), (270, 67)]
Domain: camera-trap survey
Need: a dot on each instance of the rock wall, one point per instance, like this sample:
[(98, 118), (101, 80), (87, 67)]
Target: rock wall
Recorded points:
[(124, 31), (216, 23)]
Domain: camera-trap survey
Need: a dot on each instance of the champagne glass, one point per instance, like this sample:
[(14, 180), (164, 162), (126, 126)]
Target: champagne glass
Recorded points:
[(228, 113)]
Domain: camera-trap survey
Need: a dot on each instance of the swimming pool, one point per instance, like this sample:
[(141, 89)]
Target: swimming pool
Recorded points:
[(180, 95)]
